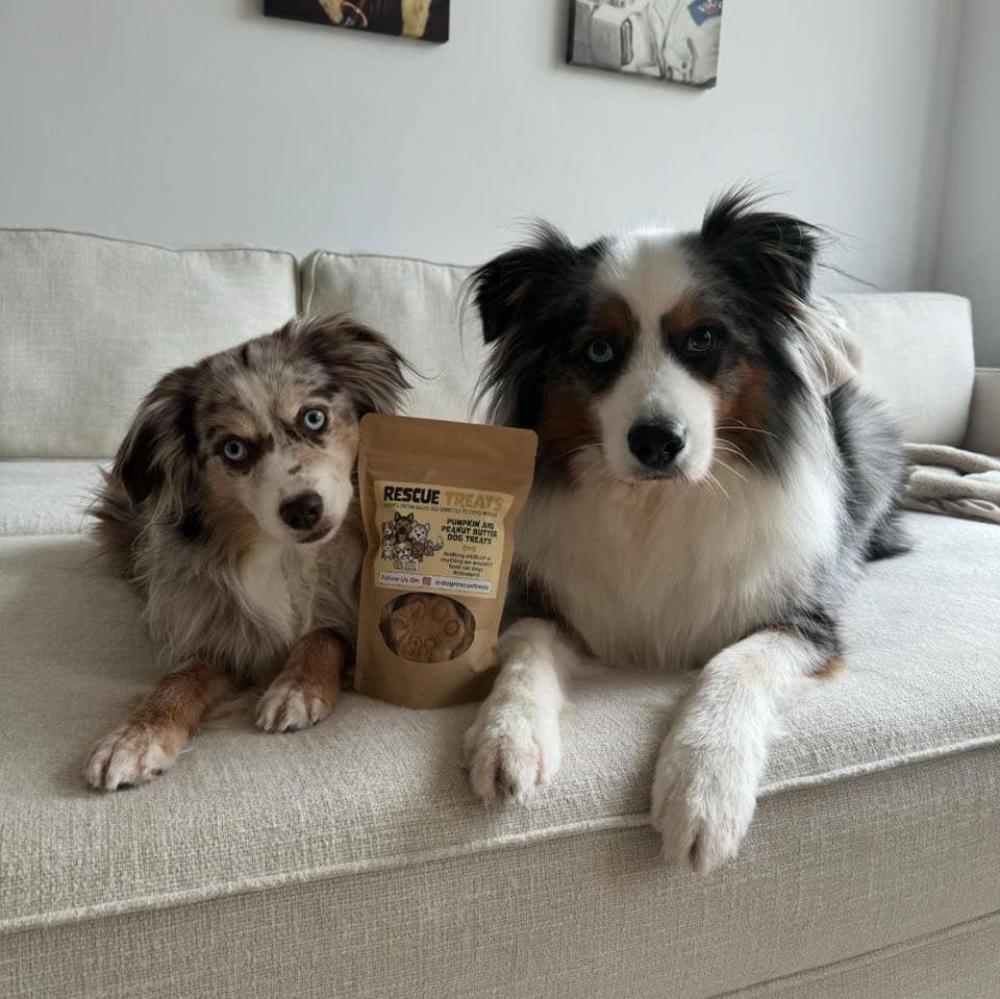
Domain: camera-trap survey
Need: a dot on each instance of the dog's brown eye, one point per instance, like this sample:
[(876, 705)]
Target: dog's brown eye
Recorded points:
[(313, 419), (701, 341), (234, 450)]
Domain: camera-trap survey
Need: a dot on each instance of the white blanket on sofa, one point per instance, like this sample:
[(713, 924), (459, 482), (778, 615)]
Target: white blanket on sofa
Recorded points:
[(951, 481)]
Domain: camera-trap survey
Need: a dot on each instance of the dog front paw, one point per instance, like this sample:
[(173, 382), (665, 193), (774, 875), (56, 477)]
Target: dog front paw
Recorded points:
[(287, 707), (509, 751), (702, 803), (132, 754)]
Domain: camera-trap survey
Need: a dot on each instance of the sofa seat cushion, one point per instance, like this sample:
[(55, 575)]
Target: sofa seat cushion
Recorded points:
[(47, 495), (356, 857), (419, 307), (88, 324)]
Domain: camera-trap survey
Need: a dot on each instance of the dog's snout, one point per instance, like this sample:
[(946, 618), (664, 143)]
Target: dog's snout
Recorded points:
[(303, 511), (656, 444)]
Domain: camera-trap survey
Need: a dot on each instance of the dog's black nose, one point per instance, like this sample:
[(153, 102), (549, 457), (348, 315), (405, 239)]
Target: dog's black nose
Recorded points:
[(657, 444), (302, 512)]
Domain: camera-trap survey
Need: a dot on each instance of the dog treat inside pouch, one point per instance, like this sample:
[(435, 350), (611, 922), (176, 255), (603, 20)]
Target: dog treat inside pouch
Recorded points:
[(439, 501)]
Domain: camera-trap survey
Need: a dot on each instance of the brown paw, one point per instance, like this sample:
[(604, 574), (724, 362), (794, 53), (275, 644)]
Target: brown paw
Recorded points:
[(132, 754), (287, 707)]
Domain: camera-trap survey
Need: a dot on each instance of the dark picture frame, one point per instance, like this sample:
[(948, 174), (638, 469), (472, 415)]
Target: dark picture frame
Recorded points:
[(427, 20), (672, 40)]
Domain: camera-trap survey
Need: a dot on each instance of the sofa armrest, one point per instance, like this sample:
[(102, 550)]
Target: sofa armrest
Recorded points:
[(983, 434)]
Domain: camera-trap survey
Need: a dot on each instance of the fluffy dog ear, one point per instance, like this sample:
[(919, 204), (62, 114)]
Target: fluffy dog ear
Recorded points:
[(767, 253), (529, 298), (158, 457), (831, 346), (358, 360), (527, 284)]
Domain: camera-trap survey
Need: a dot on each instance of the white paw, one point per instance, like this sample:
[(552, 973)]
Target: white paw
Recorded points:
[(285, 707), (509, 751), (702, 803), (132, 754)]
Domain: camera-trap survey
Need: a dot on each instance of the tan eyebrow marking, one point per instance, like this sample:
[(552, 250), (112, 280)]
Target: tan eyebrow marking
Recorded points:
[(688, 314), (614, 316)]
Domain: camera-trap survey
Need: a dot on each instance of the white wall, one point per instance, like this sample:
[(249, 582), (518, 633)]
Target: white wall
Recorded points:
[(205, 122), (968, 261)]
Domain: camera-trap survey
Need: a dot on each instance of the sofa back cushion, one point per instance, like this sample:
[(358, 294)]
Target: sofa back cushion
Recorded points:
[(916, 354), (88, 324), (418, 306)]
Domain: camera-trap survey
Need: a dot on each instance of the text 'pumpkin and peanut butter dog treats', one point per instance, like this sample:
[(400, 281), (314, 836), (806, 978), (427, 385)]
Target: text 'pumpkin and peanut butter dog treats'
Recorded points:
[(439, 502)]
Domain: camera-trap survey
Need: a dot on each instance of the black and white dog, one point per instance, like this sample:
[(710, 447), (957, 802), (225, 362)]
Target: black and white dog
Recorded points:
[(701, 498)]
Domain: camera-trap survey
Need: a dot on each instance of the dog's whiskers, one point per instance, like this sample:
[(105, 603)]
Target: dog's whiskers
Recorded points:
[(744, 428), (727, 447), (574, 451), (711, 479), (730, 469)]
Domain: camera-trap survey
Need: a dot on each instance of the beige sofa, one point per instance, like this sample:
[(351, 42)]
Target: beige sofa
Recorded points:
[(353, 860)]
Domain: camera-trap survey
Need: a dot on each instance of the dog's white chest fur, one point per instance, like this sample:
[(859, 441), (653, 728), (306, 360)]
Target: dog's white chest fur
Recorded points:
[(665, 576), (277, 584)]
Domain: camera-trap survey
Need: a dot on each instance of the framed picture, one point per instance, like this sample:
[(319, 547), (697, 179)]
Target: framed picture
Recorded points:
[(424, 19), (676, 40)]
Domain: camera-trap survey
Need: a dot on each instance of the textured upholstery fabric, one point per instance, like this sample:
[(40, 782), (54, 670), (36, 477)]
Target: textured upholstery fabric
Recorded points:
[(353, 860), (46, 496), (418, 305), (593, 915), (88, 324), (984, 416), (916, 354), (960, 963)]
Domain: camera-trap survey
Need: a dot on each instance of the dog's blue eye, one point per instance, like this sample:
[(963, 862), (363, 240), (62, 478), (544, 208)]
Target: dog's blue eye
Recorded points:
[(314, 419), (600, 351), (700, 341), (234, 450)]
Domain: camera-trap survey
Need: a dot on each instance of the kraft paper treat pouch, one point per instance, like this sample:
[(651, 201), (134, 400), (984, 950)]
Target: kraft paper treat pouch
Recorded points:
[(439, 501)]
